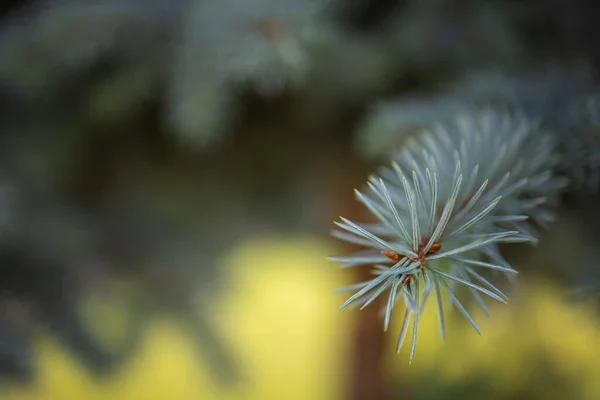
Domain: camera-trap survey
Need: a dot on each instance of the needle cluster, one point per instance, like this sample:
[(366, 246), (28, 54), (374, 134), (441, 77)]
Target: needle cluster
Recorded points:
[(450, 197)]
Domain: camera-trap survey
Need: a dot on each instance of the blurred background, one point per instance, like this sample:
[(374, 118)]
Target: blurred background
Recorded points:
[(170, 171)]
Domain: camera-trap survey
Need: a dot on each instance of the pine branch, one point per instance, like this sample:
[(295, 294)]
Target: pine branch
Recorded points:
[(443, 207)]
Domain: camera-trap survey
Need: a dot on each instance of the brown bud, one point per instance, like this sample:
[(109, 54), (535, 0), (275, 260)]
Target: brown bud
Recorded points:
[(436, 247), (392, 255)]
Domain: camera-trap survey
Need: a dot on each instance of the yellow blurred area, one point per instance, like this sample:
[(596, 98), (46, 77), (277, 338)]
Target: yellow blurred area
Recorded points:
[(538, 328), (280, 318)]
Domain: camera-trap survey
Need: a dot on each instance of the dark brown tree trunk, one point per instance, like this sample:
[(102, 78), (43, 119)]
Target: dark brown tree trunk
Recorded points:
[(368, 379)]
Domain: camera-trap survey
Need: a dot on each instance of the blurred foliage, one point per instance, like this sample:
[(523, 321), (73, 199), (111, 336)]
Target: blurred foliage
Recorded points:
[(142, 140)]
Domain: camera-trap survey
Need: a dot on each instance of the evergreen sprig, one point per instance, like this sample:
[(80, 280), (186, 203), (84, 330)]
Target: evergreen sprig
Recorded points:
[(449, 198)]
